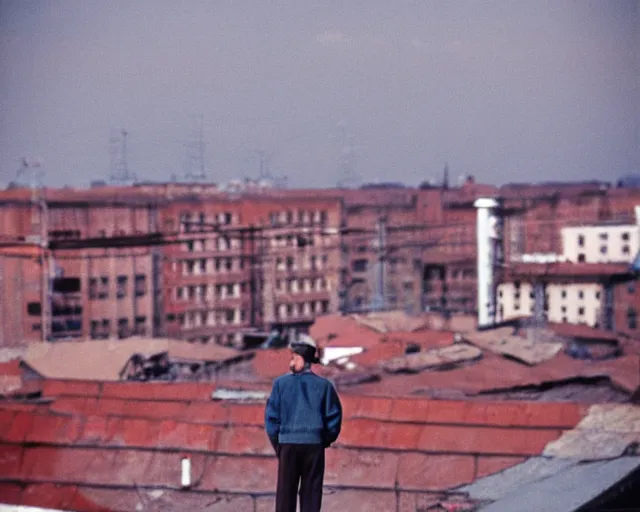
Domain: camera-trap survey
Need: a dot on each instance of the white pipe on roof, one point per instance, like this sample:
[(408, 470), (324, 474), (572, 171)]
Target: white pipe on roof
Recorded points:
[(186, 472), (487, 234)]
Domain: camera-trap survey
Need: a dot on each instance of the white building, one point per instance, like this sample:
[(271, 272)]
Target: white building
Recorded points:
[(574, 303), (570, 296), (600, 243)]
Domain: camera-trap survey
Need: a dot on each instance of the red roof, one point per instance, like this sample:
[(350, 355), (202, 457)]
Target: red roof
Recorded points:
[(567, 269), (107, 446)]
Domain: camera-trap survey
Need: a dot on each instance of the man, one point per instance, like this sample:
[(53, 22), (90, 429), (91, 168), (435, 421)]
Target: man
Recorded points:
[(303, 416)]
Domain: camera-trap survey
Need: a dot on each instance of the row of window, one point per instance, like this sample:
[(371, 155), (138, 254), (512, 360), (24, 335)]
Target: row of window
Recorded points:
[(99, 286), (312, 262), (212, 318), (307, 285), (211, 291), (302, 309), (197, 222), (101, 329), (604, 236), (210, 266), (580, 295), (302, 217), (218, 243)]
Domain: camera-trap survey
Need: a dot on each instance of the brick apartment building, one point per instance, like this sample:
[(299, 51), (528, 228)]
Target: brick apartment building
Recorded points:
[(62, 292), (226, 262), (184, 261), (247, 263), (407, 248)]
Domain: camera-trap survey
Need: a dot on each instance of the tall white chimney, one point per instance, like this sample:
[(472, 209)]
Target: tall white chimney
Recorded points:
[(488, 234)]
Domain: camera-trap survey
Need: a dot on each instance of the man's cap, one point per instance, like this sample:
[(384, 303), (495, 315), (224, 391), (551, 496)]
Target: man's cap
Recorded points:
[(305, 346)]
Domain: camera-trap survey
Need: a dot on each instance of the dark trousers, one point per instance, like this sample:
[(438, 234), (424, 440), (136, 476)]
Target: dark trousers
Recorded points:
[(300, 464)]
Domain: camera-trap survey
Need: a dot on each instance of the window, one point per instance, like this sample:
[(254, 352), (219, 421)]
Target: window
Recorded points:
[(626, 249), (563, 294), (34, 309), (603, 249), (66, 285), (190, 246), (581, 311), (95, 329), (101, 287), (359, 265), (123, 327), (581, 258), (580, 294), (121, 289), (597, 295), (140, 285), (580, 240), (604, 236), (625, 237), (631, 288), (564, 309), (632, 318)]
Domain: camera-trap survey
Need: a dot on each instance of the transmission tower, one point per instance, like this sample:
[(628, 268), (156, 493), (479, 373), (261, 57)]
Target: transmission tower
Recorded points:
[(349, 178), (195, 154), (120, 173)]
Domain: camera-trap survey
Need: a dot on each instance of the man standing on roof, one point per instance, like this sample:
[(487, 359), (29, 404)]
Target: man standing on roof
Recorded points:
[(303, 416)]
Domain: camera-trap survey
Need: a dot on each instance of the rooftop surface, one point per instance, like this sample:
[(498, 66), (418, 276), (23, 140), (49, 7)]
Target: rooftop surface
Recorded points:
[(419, 426)]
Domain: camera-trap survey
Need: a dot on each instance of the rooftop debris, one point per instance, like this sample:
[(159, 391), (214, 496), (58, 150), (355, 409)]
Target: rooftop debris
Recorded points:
[(607, 431), (355, 377), (501, 341), (441, 359), (339, 355), (595, 389)]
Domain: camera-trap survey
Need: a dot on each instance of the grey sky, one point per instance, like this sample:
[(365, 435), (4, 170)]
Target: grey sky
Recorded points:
[(507, 91)]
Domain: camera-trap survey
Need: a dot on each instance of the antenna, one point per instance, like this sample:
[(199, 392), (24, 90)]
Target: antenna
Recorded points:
[(195, 154), (32, 166), (346, 157), (120, 174)]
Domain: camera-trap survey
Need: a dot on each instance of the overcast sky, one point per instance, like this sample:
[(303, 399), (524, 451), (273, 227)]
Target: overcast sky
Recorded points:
[(507, 91)]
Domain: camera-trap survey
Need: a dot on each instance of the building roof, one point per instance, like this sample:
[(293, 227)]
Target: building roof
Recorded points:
[(105, 360), (552, 485), (566, 269), (117, 446)]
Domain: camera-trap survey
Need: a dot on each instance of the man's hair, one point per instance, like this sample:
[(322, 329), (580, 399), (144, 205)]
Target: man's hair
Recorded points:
[(307, 352)]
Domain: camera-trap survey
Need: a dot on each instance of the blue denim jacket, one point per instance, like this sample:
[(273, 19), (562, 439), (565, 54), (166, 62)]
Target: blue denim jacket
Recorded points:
[(303, 408)]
